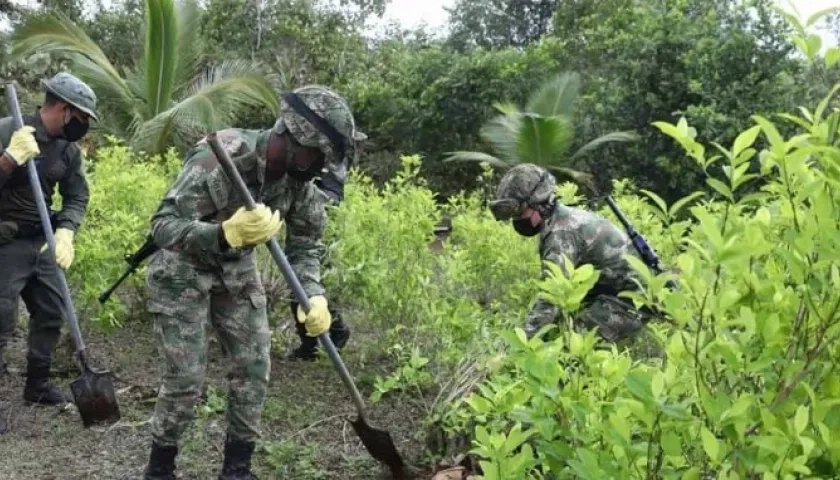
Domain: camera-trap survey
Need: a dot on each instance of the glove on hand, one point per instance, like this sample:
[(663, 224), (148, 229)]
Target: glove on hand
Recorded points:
[(23, 147), (251, 227), (318, 320), (64, 251)]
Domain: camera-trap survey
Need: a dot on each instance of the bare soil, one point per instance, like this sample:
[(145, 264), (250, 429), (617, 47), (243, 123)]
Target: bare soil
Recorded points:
[(305, 435)]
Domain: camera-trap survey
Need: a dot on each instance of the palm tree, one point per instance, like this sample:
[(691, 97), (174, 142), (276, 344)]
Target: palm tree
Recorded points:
[(168, 98), (541, 134)]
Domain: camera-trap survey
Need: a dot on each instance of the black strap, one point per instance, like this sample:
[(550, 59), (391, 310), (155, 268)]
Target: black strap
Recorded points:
[(338, 140)]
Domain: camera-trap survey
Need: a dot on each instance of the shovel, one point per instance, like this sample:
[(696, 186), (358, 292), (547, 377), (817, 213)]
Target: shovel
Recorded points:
[(93, 392), (377, 442)]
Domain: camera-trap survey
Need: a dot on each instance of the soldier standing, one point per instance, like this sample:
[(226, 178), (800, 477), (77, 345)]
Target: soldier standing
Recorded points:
[(206, 270), (49, 138), (526, 196)]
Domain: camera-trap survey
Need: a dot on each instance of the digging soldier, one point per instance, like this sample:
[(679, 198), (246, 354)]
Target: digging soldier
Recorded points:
[(49, 138), (526, 196), (206, 269)]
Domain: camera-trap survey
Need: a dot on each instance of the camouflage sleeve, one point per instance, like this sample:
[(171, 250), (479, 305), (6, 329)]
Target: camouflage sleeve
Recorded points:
[(74, 190), (177, 224), (305, 225)]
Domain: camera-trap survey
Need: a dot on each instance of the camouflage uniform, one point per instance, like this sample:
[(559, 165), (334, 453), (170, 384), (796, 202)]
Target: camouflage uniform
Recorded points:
[(583, 237), (193, 280), (29, 271)]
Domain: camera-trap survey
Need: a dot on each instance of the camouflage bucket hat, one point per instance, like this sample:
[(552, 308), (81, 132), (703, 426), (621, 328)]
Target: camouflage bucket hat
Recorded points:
[(522, 186), (318, 117), (73, 91)]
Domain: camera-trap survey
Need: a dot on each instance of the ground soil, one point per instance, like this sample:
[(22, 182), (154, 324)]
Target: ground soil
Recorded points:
[(305, 432)]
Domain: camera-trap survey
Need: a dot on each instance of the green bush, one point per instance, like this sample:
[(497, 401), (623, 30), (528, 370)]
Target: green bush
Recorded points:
[(749, 387), (125, 190)]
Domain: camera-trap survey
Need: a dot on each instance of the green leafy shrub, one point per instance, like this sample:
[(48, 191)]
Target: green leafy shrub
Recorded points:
[(125, 190), (748, 388)]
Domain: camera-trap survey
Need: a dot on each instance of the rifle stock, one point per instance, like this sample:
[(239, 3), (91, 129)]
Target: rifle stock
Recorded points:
[(645, 250), (134, 260)]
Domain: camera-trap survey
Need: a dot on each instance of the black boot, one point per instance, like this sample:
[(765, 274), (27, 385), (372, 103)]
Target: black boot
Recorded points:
[(308, 348), (38, 387), (161, 463), (237, 464)]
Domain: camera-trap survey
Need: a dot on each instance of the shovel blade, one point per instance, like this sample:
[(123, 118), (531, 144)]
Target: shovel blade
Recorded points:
[(95, 398), (381, 447)]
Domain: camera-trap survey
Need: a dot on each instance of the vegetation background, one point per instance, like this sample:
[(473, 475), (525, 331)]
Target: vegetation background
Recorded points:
[(725, 109)]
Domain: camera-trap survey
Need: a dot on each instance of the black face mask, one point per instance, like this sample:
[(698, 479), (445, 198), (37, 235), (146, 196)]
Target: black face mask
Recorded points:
[(523, 227), (75, 129)]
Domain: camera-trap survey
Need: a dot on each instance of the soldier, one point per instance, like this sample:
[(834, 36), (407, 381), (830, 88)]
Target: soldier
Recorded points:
[(526, 196), (206, 270), (29, 270), (332, 184)]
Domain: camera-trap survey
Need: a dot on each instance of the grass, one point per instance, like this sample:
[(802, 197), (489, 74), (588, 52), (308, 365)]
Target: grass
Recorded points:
[(305, 435)]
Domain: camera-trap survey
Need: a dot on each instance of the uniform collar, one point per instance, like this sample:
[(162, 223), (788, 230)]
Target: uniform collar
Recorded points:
[(41, 133)]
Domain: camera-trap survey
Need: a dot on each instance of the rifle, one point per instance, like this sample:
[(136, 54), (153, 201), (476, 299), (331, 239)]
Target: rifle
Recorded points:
[(645, 250), (134, 260)]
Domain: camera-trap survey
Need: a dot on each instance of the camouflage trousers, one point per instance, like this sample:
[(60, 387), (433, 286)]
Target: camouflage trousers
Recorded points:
[(617, 322), (184, 300)]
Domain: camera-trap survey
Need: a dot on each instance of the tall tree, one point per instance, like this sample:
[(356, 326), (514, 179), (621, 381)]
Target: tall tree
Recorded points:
[(499, 23), (168, 97)]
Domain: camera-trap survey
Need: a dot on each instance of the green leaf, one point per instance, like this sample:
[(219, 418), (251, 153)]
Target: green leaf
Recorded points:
[(816, 16), (681, 203), (745, 139), (710, 444), (720, 187), (656, 199), (832, 55), (800, 420)]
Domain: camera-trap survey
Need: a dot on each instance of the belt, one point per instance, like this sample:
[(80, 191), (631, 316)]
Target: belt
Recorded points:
[(29, 230)]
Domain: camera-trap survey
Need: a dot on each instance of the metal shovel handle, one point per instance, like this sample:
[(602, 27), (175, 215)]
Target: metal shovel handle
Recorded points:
[(35, 184), (281, 261)]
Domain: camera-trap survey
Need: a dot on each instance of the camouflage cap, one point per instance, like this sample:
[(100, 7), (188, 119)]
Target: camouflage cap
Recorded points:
[(73, 91), (522, 186), (333, 108)]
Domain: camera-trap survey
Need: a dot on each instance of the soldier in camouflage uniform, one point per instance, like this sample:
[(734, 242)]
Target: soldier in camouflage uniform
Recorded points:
[(206, 270), (49, 138), (526, 197)]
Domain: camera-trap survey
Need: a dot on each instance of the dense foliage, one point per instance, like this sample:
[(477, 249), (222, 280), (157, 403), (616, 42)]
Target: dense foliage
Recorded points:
[(714, 62), (745, 209)]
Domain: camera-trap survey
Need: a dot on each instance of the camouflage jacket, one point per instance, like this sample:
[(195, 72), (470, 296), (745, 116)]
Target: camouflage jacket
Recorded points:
[(585, 238), (190, 215), (60, 163)]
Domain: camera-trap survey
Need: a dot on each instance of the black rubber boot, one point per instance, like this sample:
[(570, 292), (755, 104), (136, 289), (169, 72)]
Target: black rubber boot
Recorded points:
[(161, 463), (308, 348), (38, 387), (237, 464)]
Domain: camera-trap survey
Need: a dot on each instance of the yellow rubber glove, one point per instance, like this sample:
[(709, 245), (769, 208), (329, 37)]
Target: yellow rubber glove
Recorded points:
[(251, 227), (64, 252), (22, 146), (319, 318)]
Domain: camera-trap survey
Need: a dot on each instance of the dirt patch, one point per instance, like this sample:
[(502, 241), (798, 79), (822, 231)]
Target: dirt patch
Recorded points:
[(305, 435)]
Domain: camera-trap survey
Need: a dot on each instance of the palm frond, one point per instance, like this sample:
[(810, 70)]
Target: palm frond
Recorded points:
[(556, 96), (543, 140), (581, 178), (463, 156), (625, 136), (160, 54), (213, 100), (500, 133), (54, 32), (189, 45)]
